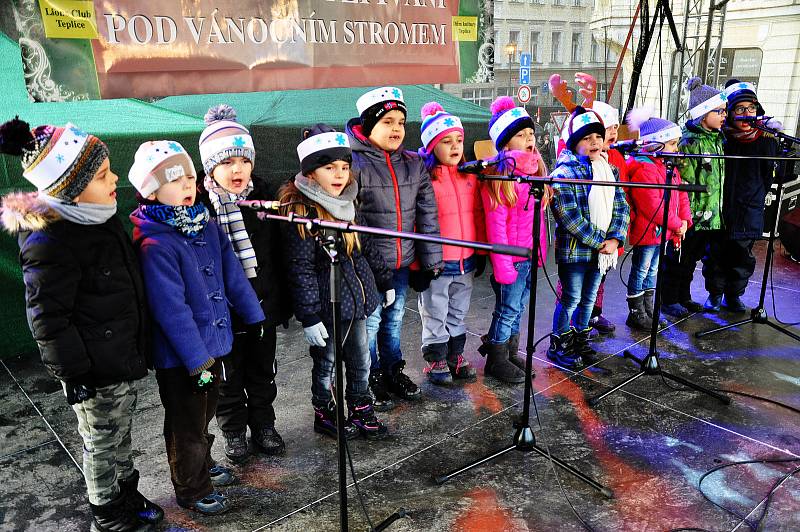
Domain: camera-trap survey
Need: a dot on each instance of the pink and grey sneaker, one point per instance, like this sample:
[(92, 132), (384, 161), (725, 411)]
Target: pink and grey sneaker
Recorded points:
[(438, 372), (362, 416), (461, 370)]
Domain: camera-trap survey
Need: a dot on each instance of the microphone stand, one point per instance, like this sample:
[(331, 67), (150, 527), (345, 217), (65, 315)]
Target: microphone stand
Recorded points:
[(650, 365), (759, 315), (330, 245), (524, 439)]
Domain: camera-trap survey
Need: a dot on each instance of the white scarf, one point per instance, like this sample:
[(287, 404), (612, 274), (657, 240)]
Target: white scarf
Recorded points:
[(601, 206), (80, 213)]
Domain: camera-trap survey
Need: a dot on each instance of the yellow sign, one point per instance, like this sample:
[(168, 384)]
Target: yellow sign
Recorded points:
[(465, 29), (68, 19)]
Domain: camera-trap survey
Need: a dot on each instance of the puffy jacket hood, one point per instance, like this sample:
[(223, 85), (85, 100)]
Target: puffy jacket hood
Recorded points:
[(24, 211)]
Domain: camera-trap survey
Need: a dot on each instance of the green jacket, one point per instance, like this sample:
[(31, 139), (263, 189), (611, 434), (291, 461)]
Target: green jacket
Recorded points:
[(706, 207)]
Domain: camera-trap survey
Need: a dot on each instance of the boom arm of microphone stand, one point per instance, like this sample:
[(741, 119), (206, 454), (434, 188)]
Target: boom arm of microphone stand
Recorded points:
[(547, 180), (350, 227)]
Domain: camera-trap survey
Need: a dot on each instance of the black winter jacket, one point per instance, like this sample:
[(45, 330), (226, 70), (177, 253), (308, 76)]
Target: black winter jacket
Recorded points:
[(395, 192), (364, 276), (746, 185), (86, 305), (270, 282)]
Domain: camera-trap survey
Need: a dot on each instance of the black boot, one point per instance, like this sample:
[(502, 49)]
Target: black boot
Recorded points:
[(498, 365), (325, 422), (381, 400), (562, 352), (400, 384), (362, 416), (649, 294), (637, 316), (460, 368), (236, 445), (438, 371), (146, 510), (117, 516), (582, 349)]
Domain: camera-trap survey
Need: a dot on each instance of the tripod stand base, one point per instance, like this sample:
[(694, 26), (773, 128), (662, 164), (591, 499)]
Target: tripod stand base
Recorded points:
[(757, 315), (650, 366), (525, 442)]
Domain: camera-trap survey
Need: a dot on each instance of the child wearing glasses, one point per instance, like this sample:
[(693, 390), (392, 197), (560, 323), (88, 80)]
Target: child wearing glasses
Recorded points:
[(701, 134), (746, 184)]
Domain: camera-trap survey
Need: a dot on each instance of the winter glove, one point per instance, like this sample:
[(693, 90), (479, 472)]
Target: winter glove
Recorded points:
[(316, 334), (77, 392), (388, 298), (202, 382), (480, 265), (419, 280)]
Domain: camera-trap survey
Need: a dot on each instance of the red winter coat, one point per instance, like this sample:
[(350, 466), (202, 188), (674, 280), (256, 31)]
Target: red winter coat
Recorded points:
[(647, 211), (458, 199)]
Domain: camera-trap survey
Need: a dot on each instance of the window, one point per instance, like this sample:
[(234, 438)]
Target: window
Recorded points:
[(535, 47), (595, 52), (482, 97), (576, 3), (555, 51), (534, 94), (558, 2), (577, 39), (513, 36), (602, 89)]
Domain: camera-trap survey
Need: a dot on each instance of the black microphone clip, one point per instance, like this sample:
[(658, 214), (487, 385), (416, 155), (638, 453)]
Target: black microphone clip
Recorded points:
[(260, 205), (627, 145), (476, 167)]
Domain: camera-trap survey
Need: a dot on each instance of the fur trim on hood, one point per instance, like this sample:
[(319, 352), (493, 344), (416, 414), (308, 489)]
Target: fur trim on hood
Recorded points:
[(24, 211)]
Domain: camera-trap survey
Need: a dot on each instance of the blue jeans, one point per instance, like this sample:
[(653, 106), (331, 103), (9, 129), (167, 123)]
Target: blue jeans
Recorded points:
[(355, 355), (644, 270), (383, 326), (579, 282), (509, 304)]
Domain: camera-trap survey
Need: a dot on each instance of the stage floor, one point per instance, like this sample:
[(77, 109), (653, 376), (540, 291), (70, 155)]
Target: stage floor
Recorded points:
[(650, 443)]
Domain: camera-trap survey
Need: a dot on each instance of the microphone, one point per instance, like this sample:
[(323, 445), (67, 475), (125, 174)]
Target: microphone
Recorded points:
[(476, 167), (627, 145), (747, 118), (260, 205)]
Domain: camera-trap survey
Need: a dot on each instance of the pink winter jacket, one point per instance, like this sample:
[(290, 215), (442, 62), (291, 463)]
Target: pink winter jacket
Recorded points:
[(460, 209), (514, 225)]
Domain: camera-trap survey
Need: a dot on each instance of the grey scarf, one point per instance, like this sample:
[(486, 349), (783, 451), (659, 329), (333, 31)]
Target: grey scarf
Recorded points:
[(80, 213), (341, 207), (229, 217)]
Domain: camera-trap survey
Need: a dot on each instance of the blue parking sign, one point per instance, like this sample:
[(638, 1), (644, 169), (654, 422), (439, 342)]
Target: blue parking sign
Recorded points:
[(524, 75), (525, 59)]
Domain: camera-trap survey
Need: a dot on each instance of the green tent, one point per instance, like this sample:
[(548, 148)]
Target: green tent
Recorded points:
[(276, 118)]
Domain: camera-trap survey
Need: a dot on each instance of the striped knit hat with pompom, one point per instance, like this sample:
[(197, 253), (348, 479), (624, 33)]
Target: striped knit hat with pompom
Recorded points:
[(703, 98), (224, 138), (437, 124), (59, 161), (507, 120)]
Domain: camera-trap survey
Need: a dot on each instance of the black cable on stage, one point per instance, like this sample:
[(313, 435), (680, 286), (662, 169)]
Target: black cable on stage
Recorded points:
[(743, 519), (550, 457), (772, 290)]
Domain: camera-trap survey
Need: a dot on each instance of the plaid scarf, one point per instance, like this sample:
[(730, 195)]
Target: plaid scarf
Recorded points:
[(229, 217), (188, 220), (741, 136)]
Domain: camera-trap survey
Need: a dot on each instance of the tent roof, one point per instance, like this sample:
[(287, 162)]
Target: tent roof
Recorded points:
[(123, 124), (301, 108)]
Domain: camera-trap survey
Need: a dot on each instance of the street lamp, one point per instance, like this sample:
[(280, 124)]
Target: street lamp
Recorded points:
[(511, 50)]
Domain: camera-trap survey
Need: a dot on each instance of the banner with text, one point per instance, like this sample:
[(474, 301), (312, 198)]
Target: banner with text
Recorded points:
[(151, 48)]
